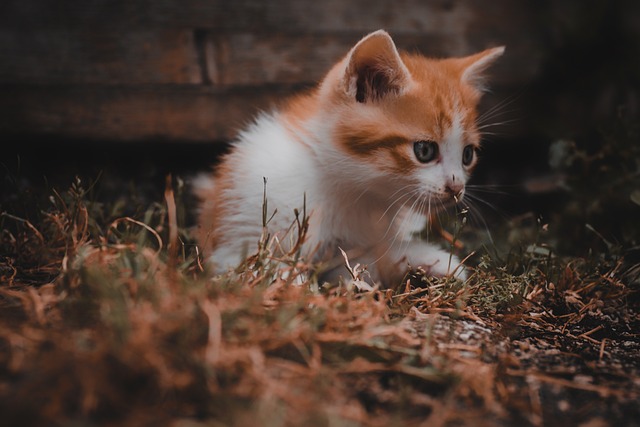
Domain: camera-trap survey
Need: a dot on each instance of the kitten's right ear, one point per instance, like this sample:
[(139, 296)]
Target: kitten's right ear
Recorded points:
[(374, 69)]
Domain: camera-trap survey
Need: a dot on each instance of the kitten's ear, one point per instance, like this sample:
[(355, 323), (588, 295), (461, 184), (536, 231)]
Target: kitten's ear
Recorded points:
[(374, 69), (473, 67)]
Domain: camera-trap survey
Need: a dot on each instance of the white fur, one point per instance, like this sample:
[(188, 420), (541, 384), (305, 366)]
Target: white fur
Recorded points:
[(267, 152)]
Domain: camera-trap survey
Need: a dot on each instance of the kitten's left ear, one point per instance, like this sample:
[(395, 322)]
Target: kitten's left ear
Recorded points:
[(473, 67), (374, 69)]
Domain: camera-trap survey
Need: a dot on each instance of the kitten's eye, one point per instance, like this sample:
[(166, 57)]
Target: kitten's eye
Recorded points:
[(468, 154), (425, 151)]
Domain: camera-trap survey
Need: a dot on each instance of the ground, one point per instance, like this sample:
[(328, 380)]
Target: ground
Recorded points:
[(108, 318)]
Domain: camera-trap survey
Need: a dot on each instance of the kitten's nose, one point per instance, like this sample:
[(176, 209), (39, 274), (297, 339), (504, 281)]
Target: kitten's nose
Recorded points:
[(454, 189)]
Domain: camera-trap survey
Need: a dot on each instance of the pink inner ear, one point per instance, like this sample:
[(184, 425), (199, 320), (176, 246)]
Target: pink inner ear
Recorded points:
[(374, 83), (376, 68)]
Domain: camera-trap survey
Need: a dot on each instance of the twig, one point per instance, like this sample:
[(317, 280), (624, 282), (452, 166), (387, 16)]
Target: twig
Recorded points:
[(601, 390), (586, 334), (173, 221), (115, 224), (27, 223), (602, 345)]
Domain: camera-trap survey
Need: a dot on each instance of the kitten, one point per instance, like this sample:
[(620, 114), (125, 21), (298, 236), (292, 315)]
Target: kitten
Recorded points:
[(385, 139)]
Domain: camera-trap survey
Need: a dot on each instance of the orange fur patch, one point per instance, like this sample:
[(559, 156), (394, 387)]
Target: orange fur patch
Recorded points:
[(364, 145), (300, 108)]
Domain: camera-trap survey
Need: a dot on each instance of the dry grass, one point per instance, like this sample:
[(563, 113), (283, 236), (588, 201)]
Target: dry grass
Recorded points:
[(114, 323)]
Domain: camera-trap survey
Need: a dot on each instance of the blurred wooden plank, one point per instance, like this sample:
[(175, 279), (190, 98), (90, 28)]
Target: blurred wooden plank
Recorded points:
[(139, 113), (252, 59), (154, 112), (62, 56)]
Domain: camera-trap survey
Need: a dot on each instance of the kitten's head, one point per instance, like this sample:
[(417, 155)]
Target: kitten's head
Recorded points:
[(408, 121)]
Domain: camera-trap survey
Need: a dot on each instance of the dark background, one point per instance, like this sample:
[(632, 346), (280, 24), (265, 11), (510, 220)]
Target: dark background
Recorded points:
[(131, 90)]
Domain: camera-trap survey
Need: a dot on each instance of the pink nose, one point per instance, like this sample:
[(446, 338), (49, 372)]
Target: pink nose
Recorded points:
[(454, 189)]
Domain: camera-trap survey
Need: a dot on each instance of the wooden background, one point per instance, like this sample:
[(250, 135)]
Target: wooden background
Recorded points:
[(196, 70)]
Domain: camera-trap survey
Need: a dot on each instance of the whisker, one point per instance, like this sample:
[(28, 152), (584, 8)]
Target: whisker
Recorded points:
[(493, 124), (498, 108), (397, 200), (475, 198), (407, 217), (489, 190), (486, 121), (479, 218), (410, 195), (361, 194), (398, 229), (490, 186), (413, 214)]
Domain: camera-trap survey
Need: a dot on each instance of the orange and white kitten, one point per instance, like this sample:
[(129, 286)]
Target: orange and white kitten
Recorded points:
[(386, 139)]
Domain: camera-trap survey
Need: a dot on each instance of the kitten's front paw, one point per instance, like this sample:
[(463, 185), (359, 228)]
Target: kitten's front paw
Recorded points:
[(445, 265), (435, 261)]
